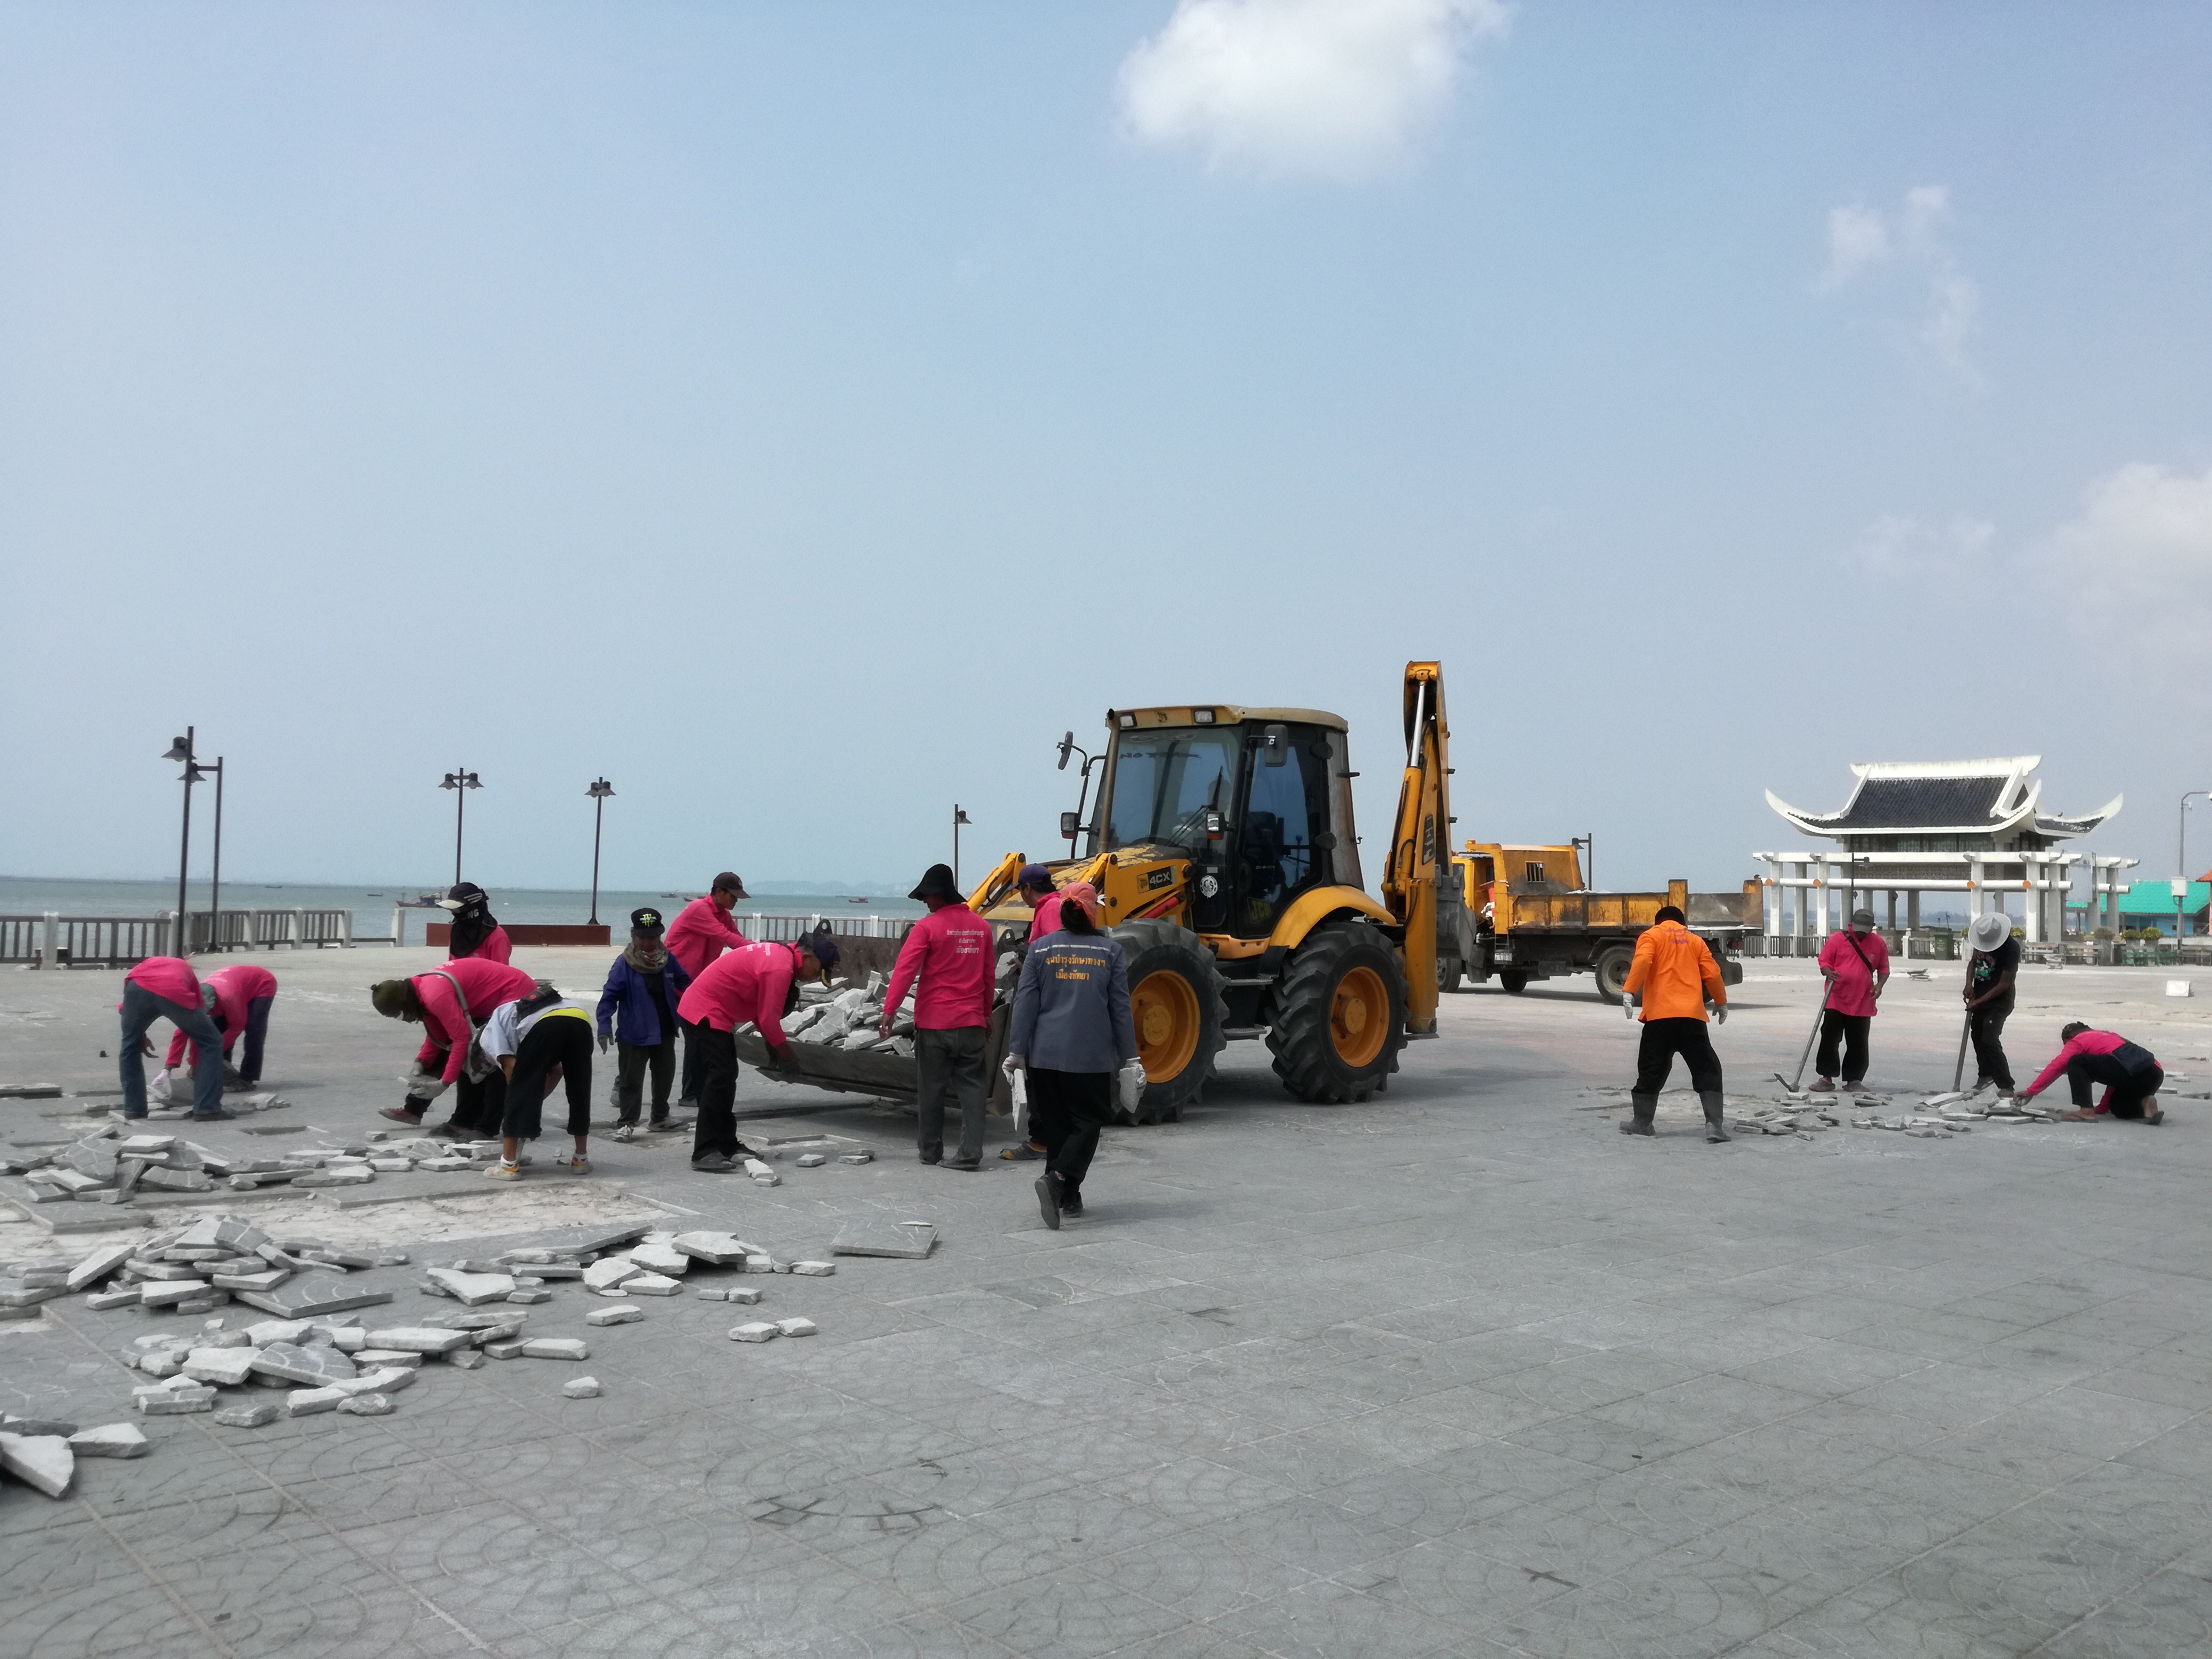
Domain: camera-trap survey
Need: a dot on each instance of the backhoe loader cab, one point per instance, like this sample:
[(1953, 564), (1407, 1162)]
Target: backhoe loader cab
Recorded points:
[(1222, 846)]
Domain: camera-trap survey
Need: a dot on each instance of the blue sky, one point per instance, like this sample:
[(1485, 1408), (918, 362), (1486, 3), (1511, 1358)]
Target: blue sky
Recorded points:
[(803, 415)]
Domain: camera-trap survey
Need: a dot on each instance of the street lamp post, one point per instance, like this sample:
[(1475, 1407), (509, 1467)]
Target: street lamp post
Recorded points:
[(180, 749), (215, 886), (460, 783), (599, 791), (959, 817), (2181, 861)]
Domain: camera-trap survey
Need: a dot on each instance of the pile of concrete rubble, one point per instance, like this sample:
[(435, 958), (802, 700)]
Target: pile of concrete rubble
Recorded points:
[(1952, 1113), (851, 1019)]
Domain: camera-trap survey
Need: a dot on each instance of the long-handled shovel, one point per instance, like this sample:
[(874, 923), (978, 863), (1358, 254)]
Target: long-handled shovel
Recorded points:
[(1959, 1071), (1808, 1052)]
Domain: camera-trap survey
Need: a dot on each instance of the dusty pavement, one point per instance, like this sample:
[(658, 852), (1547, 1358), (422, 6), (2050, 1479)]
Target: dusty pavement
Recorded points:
[(1462, 1371)]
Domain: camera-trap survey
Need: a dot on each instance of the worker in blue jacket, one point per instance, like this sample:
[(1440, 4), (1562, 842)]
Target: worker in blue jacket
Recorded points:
[(637, 1011), (1072, 1029)]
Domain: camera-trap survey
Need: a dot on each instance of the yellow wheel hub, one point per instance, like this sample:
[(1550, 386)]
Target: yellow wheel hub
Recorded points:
[(1359, 1016), (1165, 1009)]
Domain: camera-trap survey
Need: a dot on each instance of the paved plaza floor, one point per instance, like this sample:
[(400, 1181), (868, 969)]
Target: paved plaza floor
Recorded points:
[(1459, 1372)]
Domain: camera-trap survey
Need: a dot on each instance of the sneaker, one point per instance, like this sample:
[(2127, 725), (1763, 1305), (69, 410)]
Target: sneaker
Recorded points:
[(504, 1172), (687, 1105), (218, 1115), (932, 1158), (579, 1165), (1070, 1204), (658, 1124), (1855, 1088), (712, 1164), (624, 1131), (1048, 1192), (965, 1165), (401, 1115), (449, 1129)]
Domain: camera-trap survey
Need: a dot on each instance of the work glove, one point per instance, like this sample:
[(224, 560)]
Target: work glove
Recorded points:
[(1011, 1064), (424, 1090), (605, 1041), (1720, 1013), (1628, 1007)]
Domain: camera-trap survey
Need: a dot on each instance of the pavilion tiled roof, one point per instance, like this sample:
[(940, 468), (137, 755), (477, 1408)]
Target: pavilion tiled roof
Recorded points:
[(1970, 798)]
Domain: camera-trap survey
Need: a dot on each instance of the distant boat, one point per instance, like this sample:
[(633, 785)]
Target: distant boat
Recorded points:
[(376, 895), (856, 901)]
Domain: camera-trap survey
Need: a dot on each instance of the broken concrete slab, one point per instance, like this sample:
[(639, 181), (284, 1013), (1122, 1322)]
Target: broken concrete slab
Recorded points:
[(758, 1331), (741, 1293), (718, 1249), (623, 1314), (420, 1338), (313, 1366), (472, 1290), (813, 1270), (97, 1266), (365, 1404), (581, 1388), (797, 1327), (909, 1240), (761, 1174), (267, 1279), (44, 1461), (607, 1274), (169, 1401), (311, 1298), (650, 1284), (812, 1160), (169, 1293), (307, 1402), (556, 1347), (110, 1440), (529, 1297), (664, 1259), (227, 1368)]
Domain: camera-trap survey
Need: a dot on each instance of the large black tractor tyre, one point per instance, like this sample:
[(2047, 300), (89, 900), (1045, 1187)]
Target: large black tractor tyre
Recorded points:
[(1177, 1003), (1612, 968), (1340, 1014)]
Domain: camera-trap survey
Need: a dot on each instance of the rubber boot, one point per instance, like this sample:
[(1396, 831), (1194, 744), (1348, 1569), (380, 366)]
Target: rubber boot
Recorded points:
[(1710, 1099), (1645, 1107)]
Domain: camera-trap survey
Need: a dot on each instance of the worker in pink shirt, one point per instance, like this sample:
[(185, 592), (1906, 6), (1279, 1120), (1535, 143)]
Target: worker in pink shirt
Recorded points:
[(2130, 1073), (703, 930), (952, 952), (243, 993), (756, 985), (1855, 963), (166, 987), (451, 1003), (476, 932)]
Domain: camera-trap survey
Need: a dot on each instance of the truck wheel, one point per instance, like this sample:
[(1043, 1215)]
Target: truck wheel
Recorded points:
[(1612, 966), (1340, 1014), (1176, 1001), (1516, 983), (1449, 972)]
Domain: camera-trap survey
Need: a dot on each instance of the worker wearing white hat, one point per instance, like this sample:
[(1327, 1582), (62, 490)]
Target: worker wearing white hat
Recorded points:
[(1990, 971)]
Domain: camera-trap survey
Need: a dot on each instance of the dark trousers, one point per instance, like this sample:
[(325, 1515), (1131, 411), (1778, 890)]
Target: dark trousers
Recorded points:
[(2130, 1088), (693, 1067), (949, 1067), (1986, 1027), (631, 1064), (1851, 1030), (1662, 1040), (715, 1131), (559, 1043), (1066, 1111), (480, 1106), (141, 1008), (257, 1035)]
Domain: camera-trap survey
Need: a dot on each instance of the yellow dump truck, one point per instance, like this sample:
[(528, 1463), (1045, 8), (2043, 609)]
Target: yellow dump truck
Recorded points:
[(1524, 915)]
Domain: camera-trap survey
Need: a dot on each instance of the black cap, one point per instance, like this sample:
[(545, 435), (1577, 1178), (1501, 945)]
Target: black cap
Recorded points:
[(645, 920), (824, 946), (728, 882), (462, 894), (935, 883)]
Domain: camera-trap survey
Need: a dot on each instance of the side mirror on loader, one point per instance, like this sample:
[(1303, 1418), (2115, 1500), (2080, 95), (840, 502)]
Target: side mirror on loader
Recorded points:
[(1071, 825), (1274, 744), (1066, 743)]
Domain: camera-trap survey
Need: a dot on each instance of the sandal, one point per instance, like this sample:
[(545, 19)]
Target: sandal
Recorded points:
[(1022, 1152)]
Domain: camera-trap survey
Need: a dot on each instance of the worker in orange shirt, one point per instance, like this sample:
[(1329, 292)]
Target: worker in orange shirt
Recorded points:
[(1670, 983)]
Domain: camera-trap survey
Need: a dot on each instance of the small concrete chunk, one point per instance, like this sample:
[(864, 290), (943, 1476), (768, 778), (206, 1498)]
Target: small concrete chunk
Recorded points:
[(305, 1402), (109, 1440), (910, 1239), (744, 1293), (171, 1402), (554, 1347), (856, 1157), (650, 1284), (529, 1298), (812, 1160), (404, 1357), (761, 1174), (365, 1404), (758, 1331), (624, 1314), (661, 1259), (265, 1332), (387, 1379), (719, 1249), (467, 1358), (797, 1327), (124, 1297), (250, 1416), (313, 1366), (510, 1348), (606, 1275), (582, 1388), (97, 1266), (265, 1278), (813, 1270), (43, 1460)]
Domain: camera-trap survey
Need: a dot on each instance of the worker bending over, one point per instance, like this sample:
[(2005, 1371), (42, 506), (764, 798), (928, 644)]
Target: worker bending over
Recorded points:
[(537, 1042), (951, 952), (451, 1003), (243, 993), (1669, 984), (2130, 1073), (756, 985), (166, 987)]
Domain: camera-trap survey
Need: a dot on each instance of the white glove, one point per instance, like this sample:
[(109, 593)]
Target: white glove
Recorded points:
[(1628, 1007), (426, 1088), (1720, 1013), (1011, 1064), (1131, 1084)]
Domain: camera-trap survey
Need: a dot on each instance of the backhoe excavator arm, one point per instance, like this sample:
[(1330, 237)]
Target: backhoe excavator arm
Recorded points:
[(1419, 845)]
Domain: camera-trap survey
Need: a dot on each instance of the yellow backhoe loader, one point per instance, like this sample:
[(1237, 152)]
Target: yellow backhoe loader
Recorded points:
[(1222, 845)]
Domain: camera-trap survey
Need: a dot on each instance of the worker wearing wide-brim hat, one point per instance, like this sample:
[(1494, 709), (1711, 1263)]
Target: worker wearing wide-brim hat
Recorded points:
[(1991, 968)]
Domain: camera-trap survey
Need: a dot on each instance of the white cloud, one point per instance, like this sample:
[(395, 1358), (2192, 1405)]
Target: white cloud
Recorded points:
[(1331, 88), (1895, 547), (2141, 543), (1862, 238)]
